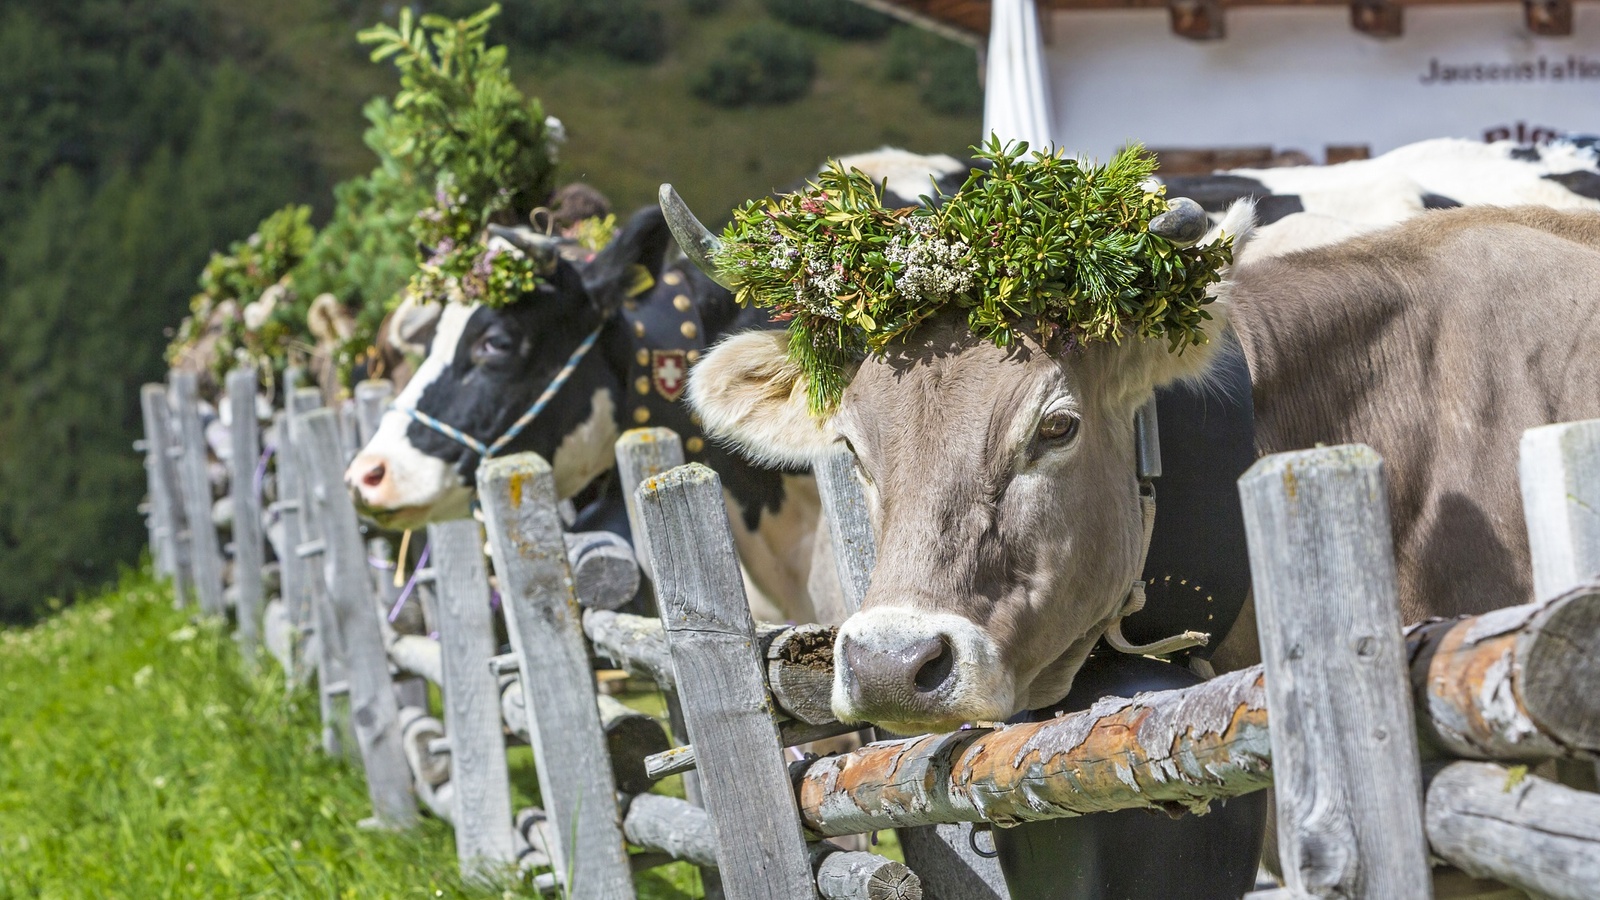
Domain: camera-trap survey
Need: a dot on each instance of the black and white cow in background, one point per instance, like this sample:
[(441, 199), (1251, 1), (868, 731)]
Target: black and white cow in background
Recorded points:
[(485, 366), (1300, 207)]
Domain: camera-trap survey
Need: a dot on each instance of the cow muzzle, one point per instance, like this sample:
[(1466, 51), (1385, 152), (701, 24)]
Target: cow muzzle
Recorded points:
[(398, 486), (910, 670)]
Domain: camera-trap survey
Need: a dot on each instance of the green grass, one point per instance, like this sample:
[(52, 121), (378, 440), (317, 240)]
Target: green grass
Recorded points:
[(631, 127), (139, 759)]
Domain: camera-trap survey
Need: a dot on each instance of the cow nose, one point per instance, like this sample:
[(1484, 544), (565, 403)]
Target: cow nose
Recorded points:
[(368, 475), (902, 676)]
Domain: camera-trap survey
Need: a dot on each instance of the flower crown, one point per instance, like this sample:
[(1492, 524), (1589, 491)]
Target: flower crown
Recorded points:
[(1039, 243)]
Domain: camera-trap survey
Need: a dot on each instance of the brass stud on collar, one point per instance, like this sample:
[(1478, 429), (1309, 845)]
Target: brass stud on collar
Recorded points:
[(693, 356), (689, 329), (694, 445), (638, 329), (681, 302), (643, 357), (672, 278), (642, 384), (641, 415)]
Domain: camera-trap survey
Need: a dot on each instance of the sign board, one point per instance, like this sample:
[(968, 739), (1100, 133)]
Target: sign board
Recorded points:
[(1302, 78)]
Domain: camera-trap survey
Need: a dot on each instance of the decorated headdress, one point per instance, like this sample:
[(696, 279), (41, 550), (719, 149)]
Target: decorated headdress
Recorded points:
[(1037, 243)]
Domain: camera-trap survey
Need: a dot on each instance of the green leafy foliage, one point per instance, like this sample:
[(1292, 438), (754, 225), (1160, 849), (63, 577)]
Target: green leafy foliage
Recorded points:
[(840, 18), (1040, 243), (761, 65), (460, 122), (458, 112), (246, 306)]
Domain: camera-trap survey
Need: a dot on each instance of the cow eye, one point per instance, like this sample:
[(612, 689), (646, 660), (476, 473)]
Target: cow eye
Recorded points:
[(1059, 426), (494, 344)]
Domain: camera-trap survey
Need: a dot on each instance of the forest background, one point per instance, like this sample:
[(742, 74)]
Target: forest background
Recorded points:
[(137, 136)]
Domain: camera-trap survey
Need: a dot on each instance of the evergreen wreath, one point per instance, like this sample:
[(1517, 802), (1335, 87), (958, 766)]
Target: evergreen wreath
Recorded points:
[(1038, 243)]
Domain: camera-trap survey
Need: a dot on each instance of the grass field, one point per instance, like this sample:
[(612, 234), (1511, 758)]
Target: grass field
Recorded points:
[(631, 127), (138, 759)]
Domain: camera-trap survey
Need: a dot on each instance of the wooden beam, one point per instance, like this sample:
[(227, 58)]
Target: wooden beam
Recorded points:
[(472, 702), (1378, 18), (205, 552), (544, 622), (171, 523), (1520, 829), (1548, 18), (248, 551), (721, 682), (1197, 20), (1328, 612), (374, 714)]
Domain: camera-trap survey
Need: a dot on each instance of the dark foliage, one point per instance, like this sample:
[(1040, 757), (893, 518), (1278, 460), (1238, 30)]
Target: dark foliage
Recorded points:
[(127, 151), (764, 64), (704, 7), (840, 18), (946, 73), (628, 30)]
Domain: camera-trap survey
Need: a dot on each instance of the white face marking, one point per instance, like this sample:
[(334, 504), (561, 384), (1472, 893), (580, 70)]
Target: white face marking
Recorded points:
[(587, 451), (984, 684), (415, 487)]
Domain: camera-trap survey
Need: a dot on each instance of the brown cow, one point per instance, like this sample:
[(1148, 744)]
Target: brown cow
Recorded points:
[(1002, 481)]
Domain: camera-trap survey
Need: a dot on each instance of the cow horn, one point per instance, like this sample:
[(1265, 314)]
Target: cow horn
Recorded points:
[(541, 247), (694, 239), (1183, 223)]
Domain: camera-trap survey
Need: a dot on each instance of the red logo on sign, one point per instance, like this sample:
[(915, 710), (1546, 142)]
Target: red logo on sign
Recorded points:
[(669, 369)]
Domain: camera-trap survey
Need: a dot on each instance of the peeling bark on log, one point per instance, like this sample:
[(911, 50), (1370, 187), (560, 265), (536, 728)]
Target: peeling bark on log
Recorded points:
[(1521, 683), (1525, 831), (854, 875), (901, 783), (1166, 750), (635, 644)]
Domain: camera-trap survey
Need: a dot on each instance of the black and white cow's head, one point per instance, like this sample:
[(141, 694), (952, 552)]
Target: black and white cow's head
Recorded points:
[(486, 366)]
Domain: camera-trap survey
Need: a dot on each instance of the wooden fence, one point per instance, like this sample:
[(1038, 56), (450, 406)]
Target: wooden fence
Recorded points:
[(1389, 749)]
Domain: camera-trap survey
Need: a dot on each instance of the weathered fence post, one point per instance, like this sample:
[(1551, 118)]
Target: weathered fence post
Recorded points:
[(545, 625), (1344, 747), (248, 553), (159, 518), (645, 453), (1560, 472), (322, 641), (700, 591), (373, 710), (941, 855), (164, 493), (372, 397), (205, 552), (472, 701)]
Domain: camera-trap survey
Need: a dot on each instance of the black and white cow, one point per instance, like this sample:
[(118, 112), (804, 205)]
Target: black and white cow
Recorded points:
[(485, 367), (1300, 207)]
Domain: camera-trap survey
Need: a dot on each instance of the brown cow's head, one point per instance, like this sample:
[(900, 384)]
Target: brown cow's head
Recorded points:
[(1003, 494)]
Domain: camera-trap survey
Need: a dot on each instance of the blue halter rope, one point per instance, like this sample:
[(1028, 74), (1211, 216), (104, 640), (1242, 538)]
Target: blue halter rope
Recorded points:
[(488, 451)]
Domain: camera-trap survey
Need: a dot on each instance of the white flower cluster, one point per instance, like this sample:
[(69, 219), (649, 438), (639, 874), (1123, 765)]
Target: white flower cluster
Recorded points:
[(932, 268)]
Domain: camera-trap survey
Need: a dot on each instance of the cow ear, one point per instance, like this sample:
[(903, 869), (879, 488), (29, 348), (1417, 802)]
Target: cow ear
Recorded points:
[(614, 272), (412, 324), (1138, 366), (748, 393)]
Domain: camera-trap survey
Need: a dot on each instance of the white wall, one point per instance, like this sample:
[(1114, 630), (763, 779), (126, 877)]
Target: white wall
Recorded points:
[(1302, 78)]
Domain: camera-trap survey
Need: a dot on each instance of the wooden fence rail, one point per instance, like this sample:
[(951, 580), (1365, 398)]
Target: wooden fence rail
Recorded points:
[(1368, 785)]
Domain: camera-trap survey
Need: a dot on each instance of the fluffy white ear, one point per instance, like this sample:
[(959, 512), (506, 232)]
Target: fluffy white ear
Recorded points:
[(749, 394), (1239, 222)]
